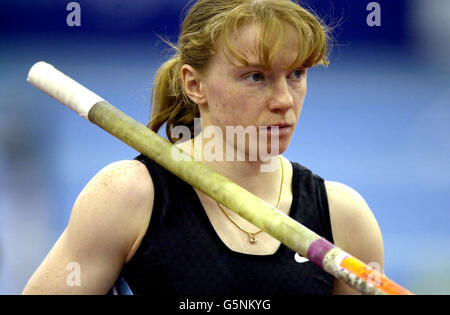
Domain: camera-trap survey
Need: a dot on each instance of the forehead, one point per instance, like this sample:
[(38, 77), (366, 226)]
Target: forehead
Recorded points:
[(246, 48)]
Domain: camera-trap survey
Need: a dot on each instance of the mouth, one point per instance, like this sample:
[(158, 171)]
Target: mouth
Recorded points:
[(281, 129)]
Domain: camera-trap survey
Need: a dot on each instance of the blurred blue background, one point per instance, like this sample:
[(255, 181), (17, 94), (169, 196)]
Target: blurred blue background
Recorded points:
[(377, 119)]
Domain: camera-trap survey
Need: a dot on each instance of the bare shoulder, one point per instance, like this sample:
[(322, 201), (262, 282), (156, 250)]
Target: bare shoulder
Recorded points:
[(355, 228), (122, 190), (346, 203), (126, 174), (352, 220), (123, 193), (108, 220)]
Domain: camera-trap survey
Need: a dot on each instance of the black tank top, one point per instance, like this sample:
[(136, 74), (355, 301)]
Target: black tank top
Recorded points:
[(182, 255)]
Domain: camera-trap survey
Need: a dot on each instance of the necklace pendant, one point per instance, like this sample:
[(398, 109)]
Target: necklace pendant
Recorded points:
[(252, 238)]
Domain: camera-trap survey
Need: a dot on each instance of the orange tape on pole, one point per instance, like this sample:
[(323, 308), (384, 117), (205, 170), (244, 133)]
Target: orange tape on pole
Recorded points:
[(373, 277)]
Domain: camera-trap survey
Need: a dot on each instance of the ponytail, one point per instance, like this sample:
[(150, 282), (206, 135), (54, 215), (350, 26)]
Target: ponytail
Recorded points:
[(170, 103)]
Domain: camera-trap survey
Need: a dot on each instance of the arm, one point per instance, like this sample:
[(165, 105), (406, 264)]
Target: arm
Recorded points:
[(355, 229), (108, 221)]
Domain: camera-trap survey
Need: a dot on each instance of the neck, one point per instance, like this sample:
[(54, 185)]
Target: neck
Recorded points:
[(258, 177)]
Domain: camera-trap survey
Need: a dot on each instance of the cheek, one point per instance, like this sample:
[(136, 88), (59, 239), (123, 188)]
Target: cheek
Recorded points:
[(228, 106), (299, 104), (230, 111), (300, 98), (214, 95)]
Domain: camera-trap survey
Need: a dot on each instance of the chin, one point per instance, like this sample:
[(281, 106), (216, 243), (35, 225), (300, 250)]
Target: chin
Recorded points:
[(283, 145)]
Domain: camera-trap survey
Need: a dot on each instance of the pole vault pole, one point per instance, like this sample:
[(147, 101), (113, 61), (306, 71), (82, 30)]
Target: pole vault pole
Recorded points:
[(291, 233)]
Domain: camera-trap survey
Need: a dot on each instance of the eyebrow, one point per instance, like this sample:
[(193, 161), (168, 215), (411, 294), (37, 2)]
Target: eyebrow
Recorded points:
[(267, 67), (255, 65)]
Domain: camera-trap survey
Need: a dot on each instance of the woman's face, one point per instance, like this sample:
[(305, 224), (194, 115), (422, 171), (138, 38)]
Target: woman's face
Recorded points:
[(253, 96)]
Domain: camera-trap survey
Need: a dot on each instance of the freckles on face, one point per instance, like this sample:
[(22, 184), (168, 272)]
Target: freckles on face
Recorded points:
[(227, 105), (233, 99)]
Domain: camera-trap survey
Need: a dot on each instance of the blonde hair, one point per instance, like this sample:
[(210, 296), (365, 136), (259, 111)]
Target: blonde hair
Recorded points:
[(208, 25)]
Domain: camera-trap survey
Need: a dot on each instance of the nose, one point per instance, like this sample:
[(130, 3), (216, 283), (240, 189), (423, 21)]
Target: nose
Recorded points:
[(281, 97)]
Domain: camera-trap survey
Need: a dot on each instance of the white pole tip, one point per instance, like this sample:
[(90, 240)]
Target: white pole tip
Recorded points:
[(62, 88)]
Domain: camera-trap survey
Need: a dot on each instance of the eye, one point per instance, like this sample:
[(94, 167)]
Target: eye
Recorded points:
[(255, 77), (297, 74)]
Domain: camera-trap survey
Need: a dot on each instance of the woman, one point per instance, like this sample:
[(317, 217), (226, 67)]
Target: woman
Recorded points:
[(237, 63)]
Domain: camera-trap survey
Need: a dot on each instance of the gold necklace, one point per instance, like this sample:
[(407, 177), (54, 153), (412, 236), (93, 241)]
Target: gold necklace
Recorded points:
[(251, 235)]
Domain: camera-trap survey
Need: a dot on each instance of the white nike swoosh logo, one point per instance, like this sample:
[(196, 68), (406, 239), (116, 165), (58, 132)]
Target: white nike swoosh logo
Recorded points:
[(300, 259)]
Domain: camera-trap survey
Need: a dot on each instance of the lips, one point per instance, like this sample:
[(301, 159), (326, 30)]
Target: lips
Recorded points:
[(283, 129), (281, 125)]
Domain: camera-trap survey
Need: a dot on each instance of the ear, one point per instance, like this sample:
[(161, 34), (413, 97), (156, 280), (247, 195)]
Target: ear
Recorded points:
[(192, 84)]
